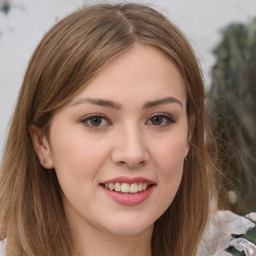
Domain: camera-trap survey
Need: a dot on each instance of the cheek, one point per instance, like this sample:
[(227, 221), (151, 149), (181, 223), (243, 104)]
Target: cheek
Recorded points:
[(77, 161), (170, 154), (74, 150), (170, 160), (76, 166)]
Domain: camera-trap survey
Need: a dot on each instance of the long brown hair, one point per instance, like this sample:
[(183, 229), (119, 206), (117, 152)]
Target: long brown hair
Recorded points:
[(66, 60)]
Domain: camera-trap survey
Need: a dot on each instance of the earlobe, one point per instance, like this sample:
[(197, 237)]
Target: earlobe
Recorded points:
[(41, 147)]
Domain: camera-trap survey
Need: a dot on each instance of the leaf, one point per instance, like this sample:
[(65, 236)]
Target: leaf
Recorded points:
[(5, 7), (251, 235), (232, 250)]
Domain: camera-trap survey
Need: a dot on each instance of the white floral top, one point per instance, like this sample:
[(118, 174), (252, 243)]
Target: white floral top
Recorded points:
[(218, 235)]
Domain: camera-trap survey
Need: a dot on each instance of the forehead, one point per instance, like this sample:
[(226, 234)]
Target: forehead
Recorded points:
[(142, 72)]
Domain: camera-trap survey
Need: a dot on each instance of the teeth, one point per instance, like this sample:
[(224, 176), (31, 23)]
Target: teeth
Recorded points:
[(126, 188), (133, 188), (117, 187), (111, 186)]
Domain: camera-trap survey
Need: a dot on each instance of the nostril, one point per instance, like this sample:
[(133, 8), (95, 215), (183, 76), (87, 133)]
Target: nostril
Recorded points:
[(132, 164), (130, 157)]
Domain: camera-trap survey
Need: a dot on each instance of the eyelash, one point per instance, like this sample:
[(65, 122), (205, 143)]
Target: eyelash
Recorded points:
[(89, 119), (168, 120)]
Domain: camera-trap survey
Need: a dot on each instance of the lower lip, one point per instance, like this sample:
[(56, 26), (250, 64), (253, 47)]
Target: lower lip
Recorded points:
[(129, 199)]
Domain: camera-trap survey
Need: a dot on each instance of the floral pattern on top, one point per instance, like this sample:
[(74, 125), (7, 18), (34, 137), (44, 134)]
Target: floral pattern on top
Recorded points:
[(228, 234)]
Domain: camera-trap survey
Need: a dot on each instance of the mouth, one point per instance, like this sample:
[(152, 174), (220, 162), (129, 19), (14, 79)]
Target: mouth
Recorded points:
[(128, 191), (126, 188)]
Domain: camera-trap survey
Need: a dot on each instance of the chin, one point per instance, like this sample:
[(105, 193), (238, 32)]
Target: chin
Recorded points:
[(129, 226)]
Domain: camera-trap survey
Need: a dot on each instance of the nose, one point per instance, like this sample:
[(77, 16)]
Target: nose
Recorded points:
[(130, 148)]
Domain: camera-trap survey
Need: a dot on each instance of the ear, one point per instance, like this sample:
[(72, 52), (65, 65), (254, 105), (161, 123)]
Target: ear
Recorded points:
[(191, 125), (41, 146)]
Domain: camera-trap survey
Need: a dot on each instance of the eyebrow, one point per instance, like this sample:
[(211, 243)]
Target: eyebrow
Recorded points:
[(115, 105), (100, 102), (166, 100)]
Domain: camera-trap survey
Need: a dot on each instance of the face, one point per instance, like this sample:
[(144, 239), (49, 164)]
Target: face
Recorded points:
[(118, 147)]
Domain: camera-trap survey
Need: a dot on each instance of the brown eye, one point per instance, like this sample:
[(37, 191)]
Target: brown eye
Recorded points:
[(96, 121), (161, 120), (156, 120)]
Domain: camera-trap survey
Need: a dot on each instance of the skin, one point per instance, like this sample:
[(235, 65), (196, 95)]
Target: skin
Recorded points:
[(128, 142)]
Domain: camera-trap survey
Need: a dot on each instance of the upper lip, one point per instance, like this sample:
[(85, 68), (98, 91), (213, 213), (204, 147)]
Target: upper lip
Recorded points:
[(129, 180)]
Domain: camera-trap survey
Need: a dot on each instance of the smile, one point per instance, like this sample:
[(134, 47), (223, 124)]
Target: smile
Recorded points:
[(128, 191), (126, 187)]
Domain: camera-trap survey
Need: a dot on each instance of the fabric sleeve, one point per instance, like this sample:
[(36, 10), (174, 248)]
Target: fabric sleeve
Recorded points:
[(228, 234)]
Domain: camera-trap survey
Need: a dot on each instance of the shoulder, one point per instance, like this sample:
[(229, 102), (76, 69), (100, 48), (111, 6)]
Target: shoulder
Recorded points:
[(228, 234), (2, 247)]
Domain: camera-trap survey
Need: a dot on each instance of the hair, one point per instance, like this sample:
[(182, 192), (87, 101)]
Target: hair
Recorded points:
[(69, 56)]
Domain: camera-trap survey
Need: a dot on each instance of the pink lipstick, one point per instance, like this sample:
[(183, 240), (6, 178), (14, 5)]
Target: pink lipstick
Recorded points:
[(128, 191)]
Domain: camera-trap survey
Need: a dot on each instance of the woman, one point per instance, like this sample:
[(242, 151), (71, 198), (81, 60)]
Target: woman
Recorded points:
[(108, 150)]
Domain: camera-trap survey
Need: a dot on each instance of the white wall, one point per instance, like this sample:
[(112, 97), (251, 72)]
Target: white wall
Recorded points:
[(28, 20)]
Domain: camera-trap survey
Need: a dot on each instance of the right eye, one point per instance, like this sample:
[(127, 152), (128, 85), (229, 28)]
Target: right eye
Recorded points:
[(95, 121), (161, 120)]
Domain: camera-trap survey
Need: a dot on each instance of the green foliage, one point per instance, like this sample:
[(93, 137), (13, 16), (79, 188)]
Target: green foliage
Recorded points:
[(250, 235), (5, 7), (233, 95), (233, 251)]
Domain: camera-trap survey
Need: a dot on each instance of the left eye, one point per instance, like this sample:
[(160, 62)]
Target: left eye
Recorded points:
[(95, 121), (160, 120)]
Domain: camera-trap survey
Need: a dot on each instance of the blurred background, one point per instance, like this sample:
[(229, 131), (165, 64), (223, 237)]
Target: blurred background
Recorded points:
[(223, 35)]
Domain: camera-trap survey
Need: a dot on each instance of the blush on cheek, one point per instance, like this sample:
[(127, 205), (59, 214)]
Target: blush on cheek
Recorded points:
[(173, 176), (171, 161)]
